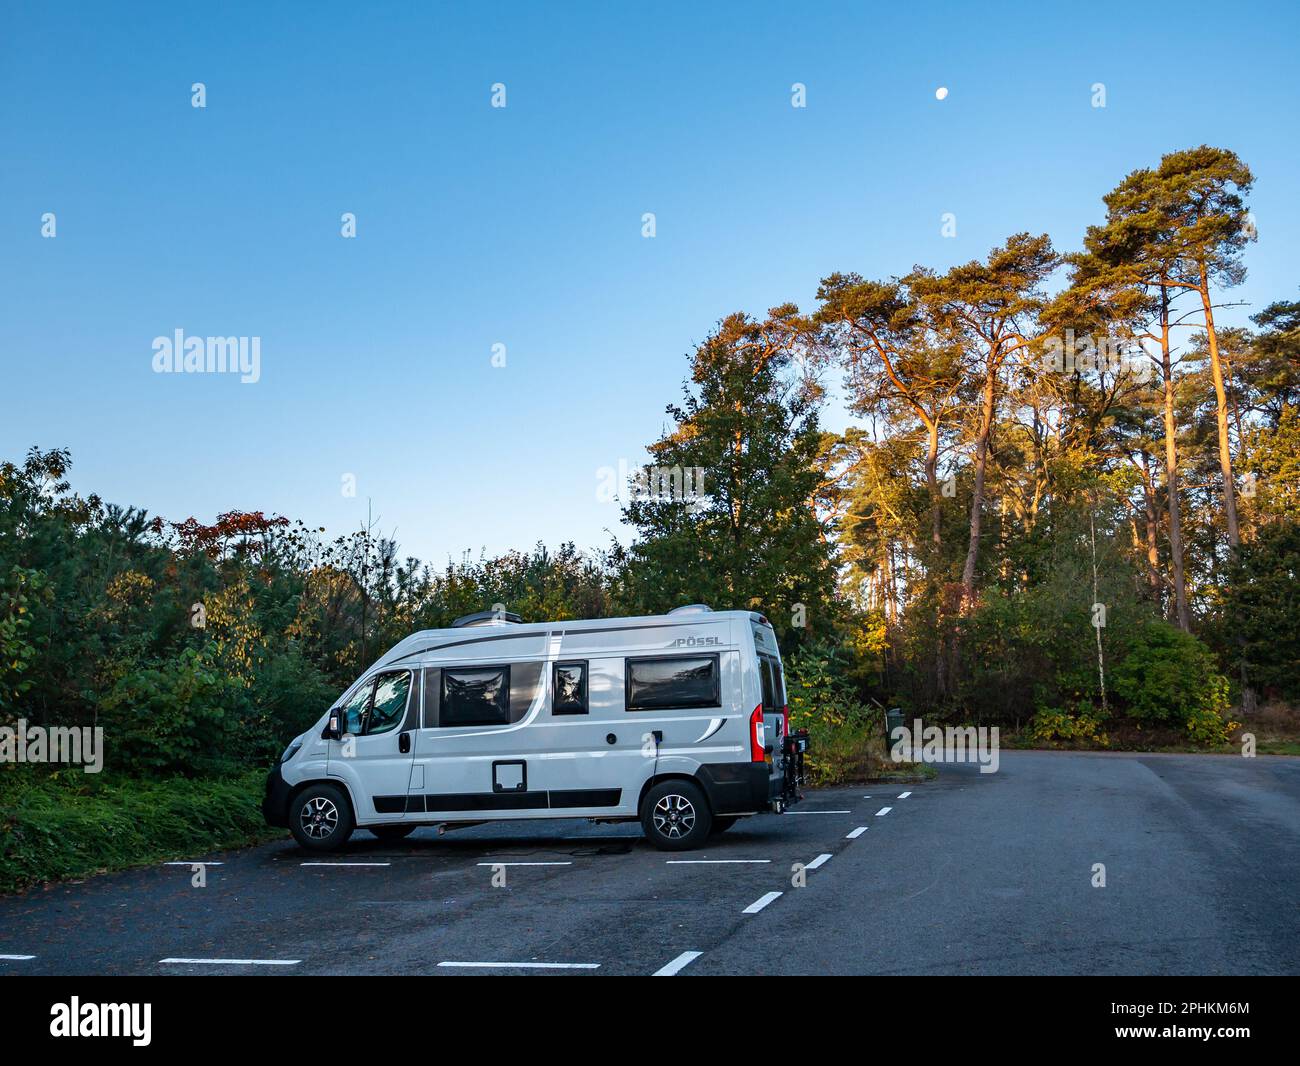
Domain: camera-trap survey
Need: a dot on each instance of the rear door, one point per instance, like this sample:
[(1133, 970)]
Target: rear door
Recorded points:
[(771, 685)]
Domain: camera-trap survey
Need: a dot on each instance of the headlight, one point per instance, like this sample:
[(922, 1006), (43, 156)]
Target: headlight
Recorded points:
[(291, 751)]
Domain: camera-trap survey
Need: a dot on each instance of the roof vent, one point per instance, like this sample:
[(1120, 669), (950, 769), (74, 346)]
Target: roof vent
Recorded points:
[(692, 608), (486, 618)]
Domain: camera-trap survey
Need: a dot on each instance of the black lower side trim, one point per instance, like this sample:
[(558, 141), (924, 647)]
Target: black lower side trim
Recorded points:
[(587, 797), (738, 787), (499, 801)]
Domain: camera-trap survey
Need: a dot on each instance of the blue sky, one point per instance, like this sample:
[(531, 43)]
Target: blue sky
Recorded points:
[(522, 226)]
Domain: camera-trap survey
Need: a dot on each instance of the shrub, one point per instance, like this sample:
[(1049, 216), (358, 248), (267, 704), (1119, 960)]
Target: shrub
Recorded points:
[(1051, 724), (1170, 676), (846, 736), (173, 716), (1260, 620)]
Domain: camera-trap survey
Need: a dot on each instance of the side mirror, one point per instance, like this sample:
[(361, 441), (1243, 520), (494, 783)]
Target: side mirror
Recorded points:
[(332, 727)]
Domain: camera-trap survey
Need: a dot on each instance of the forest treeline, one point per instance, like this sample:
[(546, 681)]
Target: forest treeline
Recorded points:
[(1067, 501)]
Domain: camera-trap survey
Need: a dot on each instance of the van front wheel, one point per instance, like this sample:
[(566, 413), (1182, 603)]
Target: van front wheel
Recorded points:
[(320, 818), (675, 816)]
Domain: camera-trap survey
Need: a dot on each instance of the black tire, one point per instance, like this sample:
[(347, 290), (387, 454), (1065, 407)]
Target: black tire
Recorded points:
[(320, 818), (721, 825), (676, 816), (391, 832)]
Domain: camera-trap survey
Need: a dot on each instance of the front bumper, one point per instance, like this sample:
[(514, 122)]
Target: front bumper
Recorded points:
[(275, 802)]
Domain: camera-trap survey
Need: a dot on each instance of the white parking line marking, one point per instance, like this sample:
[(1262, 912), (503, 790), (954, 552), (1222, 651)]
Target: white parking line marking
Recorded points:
[(17, 958), (761, 902), (678, 964), (903, 795), (229, 962), (523, 965), (883, 811), (856, 833), (195, 862), (821, 860), (818, 812), (524, 864), (345, 864), (712, 862)]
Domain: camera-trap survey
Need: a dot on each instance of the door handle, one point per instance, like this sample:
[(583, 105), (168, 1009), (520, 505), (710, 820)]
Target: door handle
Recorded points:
[(404, 743)]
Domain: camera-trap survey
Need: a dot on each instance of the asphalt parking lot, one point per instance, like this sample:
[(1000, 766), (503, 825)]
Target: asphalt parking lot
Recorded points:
[(970, 874)]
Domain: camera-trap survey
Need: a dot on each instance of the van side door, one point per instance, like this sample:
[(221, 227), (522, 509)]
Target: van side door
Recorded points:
[(374, 753)]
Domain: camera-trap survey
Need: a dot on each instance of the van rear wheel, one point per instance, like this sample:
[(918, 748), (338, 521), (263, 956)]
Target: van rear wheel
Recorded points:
[(320, 818), (675, 816)]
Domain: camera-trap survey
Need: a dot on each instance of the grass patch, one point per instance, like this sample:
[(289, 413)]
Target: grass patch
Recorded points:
[(71, 824), (1275, 727), (855, 755)]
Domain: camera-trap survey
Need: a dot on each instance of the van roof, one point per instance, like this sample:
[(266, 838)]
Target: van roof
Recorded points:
[(430, 639)]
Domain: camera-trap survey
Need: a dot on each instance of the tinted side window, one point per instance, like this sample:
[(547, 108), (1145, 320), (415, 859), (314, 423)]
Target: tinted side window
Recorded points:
[(477, 695), (676, 682), (570, 688), (389, 707), (766, 672)]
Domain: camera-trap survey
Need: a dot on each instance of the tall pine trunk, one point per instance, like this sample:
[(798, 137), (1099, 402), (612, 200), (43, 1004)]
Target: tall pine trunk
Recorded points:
[(977, 495), (1220, 416), (1182, 615)]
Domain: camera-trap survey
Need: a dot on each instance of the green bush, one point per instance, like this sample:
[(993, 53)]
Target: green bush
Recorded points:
[(71, 823), (1170, 676), (1260, 621), (288, 695), (175, 715), (846, 736), (1080, 725)]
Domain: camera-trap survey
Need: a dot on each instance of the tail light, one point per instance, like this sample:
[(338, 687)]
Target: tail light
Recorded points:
[(757, 736), (785, 723)]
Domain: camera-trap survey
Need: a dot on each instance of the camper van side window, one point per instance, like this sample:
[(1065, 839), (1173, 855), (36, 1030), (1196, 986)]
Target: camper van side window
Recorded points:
[(767, 674), (570, 688), (478, 695), (674, 682)]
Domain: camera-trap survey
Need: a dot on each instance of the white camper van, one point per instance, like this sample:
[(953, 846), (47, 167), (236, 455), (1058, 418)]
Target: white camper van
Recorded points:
[(678, 721)]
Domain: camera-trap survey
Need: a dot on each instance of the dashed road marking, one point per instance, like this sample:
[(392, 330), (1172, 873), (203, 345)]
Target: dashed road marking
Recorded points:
[(524, 864), (883, 811), (761, 902), (821, 860), (521, 965), (903, 795), (195, 862), (856, 833), (678, 964), (713, 862), (17, 958), (345, 864), (818, 812), (229, 962)]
